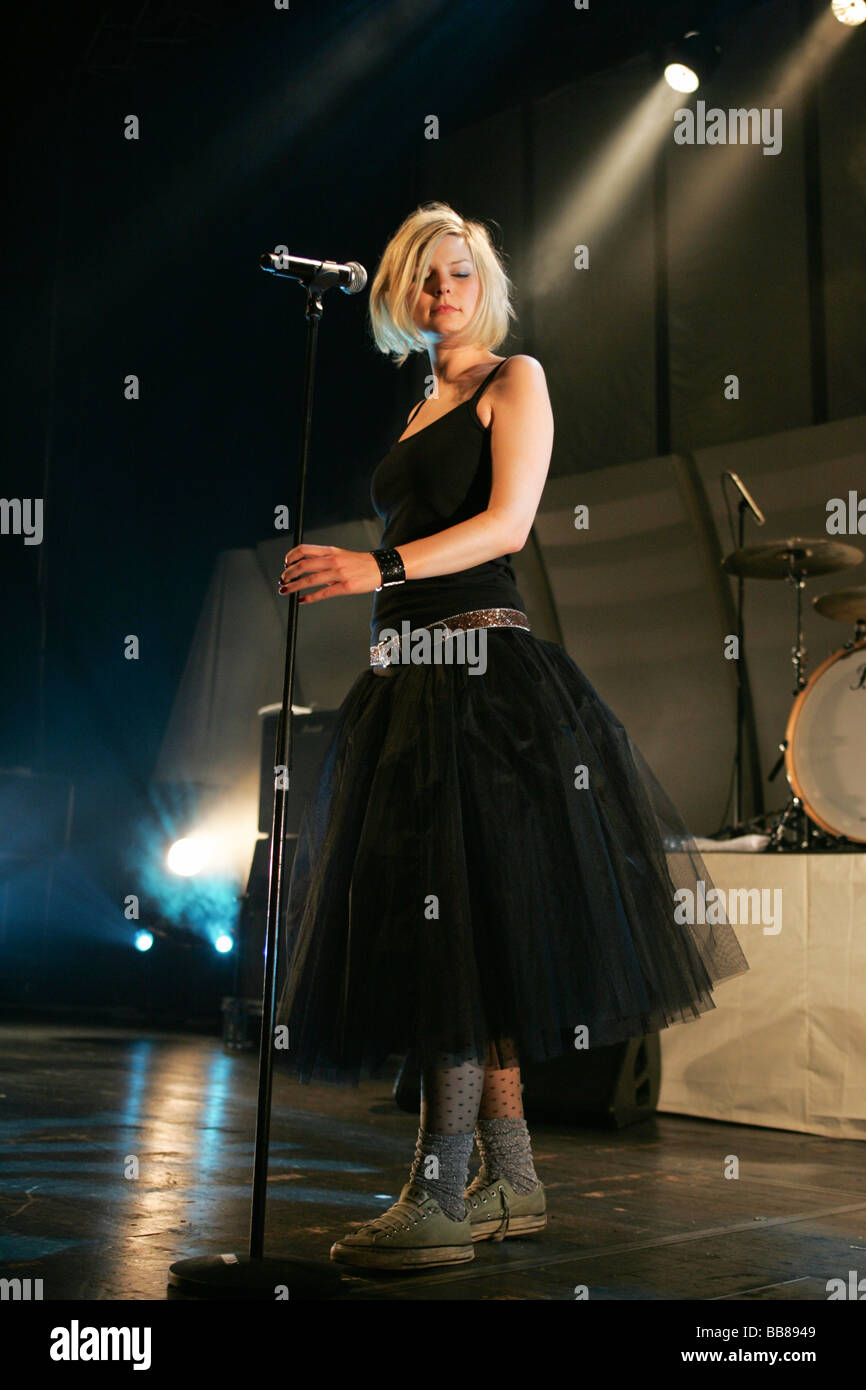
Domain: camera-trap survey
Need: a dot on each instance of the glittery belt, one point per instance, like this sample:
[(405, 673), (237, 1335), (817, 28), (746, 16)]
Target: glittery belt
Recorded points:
[(382, 654)]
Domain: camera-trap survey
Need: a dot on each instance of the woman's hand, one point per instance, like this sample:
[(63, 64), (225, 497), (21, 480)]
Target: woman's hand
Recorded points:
[(342, 571)]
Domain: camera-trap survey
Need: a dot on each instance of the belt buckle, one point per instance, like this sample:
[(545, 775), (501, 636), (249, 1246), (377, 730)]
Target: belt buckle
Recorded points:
[(382, 656)]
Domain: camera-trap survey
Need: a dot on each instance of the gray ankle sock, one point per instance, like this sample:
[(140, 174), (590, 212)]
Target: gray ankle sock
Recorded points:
[(506, 1152), (446, 1158)]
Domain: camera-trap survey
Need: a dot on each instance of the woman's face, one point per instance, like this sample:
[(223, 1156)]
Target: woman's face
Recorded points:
[(450, 292)]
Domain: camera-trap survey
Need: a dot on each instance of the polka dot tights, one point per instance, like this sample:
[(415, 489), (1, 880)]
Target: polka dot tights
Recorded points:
[(466, 1100)]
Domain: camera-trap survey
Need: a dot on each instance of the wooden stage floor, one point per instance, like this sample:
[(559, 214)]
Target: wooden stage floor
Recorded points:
[(644, 1213)]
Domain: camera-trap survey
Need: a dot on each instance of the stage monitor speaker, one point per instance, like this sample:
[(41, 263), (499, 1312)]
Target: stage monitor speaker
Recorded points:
[(607, 1086), (311, 735), (611, 1086)]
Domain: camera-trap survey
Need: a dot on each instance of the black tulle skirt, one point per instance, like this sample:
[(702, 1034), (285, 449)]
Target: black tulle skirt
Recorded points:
[(460, 882)]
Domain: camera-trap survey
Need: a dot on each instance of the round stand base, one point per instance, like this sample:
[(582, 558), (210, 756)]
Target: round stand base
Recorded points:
[(240, 1276)]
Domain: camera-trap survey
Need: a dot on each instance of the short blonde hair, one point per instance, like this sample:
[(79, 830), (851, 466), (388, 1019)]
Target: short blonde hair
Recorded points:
[(403, 269)]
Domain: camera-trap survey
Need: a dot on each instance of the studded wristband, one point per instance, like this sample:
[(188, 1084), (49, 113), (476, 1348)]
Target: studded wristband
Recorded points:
[(390, 567)]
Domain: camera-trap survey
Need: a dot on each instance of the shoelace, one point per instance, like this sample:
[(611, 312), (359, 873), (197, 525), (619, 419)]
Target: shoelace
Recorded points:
[(502, 1229), (395, 1218)]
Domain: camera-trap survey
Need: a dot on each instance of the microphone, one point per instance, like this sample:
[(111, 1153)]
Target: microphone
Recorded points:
[(747, 498), (318, 275)]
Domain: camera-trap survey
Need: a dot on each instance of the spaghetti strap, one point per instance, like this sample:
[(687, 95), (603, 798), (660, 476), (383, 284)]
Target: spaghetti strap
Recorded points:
[(486, 382), (472, 400)]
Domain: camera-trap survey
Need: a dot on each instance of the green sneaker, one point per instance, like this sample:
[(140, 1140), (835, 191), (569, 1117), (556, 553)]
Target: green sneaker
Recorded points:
[(495, 1210), (412, 1234)]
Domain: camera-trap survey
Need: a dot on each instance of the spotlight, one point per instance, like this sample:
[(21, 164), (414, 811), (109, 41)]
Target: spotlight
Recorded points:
[(188, 856), (849, 11), (223, 943), (143, 941), (689, 61), (681, 78)]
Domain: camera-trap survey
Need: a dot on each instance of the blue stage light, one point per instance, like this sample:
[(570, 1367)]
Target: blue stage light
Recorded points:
[(189, 855), (143, 941), (223, 943)]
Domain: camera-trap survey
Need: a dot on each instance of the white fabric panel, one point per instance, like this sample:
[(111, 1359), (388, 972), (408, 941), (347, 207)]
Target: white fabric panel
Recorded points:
[(639, 619), (785, 1046), (234, 659)]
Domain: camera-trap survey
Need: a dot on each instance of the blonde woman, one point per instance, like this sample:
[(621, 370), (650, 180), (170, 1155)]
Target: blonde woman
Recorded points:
[(486, 874)]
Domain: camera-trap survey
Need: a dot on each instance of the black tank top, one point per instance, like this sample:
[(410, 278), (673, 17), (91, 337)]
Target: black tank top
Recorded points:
[(437, 477)]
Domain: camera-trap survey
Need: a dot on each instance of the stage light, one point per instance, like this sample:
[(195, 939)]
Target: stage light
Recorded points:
[(188, 856), (143, 941), (223, 943), (689, 61), (849, 11), (681, 78)]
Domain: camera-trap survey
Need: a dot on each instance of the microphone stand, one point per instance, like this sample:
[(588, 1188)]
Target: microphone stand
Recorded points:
[(252, 1275), (741, 703), (742, 668)]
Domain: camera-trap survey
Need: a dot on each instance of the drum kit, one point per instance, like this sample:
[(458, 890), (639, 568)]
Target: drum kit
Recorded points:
[(824, 748)]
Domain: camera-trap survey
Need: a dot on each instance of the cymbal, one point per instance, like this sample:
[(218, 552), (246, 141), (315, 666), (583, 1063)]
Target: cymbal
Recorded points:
[(842, 605), (802, 556)]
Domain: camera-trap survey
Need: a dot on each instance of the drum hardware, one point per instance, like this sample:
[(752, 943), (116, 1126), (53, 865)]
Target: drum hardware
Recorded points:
[(777, 559), (825, 749), (808, 754), (794, 815), (795, 560), (791, 811), (845, 606), (746, 502)]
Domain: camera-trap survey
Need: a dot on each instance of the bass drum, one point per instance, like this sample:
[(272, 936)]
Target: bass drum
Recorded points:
[(825, 758)]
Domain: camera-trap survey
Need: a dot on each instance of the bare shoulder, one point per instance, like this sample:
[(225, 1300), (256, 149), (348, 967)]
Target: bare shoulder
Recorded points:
[(519, 390), (521, 378), (522, 367)]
